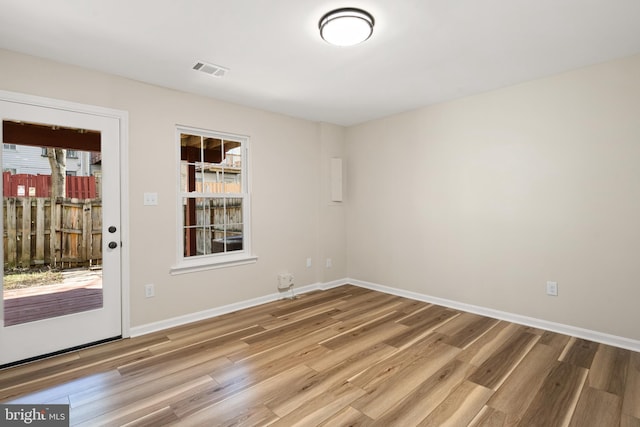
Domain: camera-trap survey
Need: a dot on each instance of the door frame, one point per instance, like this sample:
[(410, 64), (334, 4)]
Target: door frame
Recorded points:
[(123, 119)]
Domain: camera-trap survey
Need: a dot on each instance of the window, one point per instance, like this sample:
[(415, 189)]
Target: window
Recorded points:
[(213, 199), (71, 154), (9, 146)]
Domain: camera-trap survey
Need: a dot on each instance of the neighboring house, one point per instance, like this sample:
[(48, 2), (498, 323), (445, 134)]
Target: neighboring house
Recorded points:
[(25, 159)]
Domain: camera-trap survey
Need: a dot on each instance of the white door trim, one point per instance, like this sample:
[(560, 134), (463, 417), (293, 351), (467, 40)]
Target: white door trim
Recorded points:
[(123, 118)]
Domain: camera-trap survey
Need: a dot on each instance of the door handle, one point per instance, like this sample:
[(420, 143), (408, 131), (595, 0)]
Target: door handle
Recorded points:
[(113, 245)]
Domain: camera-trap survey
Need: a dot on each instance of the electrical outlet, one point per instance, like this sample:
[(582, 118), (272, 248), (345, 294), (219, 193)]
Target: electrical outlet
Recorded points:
[(329, 263), (149, 290), (552, 289), (308, 262)]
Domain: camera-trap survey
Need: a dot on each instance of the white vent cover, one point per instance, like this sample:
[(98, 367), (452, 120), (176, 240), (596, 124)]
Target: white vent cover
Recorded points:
[(211, 69)]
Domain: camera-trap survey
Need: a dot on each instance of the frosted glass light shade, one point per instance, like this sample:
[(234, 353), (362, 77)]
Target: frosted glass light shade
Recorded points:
[(346, 27)]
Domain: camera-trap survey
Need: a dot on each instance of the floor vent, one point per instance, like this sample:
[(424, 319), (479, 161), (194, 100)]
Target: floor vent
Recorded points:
[(211, 69)]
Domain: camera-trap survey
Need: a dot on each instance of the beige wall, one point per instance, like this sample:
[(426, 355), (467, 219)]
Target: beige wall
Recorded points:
[(332, 233), (287, 169), (481, 200), (484, 199)]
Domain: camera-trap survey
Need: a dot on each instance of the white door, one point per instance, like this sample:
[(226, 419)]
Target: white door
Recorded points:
[(53, 331)]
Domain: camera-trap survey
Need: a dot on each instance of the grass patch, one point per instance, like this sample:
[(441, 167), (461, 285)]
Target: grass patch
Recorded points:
[(27, 278)]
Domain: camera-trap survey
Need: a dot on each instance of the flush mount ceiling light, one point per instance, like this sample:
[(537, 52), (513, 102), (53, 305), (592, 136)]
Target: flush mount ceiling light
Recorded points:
[(346, 27)]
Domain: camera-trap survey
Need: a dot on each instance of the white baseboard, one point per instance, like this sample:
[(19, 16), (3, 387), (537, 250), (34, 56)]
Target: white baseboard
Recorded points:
[(560, 328), (136, 331)]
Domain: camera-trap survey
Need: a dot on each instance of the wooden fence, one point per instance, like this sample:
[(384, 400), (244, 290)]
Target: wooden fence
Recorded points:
[(31, 238), (27, 185)]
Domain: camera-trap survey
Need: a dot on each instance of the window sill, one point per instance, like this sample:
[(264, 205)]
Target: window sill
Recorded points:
[(192, 266)]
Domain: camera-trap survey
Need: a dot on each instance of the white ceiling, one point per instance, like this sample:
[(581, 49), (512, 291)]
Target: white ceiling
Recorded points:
[(421, 52)]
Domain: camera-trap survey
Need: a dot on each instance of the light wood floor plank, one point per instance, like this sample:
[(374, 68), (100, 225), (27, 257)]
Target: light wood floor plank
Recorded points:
[(579, 352), (517, 392), (460, 407), (556, 400), (383, 395), (629, 421), (478, 352), (420, 402), (347, 417), (555, 340), (397, 361), (347, 356), (465, 329), (318, 410), (420, 324), (134, 408), (496, 368), (489, 417), (608, 372), (161, 417), (597, 408), (631, 402)]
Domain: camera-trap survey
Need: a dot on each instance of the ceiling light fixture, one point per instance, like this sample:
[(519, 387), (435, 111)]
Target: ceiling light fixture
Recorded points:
[(346, 27)]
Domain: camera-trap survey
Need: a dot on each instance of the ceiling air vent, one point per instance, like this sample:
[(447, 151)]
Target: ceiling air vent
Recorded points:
[(211, 69)]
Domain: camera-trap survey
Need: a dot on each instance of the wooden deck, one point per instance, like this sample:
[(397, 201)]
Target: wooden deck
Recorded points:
[(80, 290), (346, 356), (37, 307)]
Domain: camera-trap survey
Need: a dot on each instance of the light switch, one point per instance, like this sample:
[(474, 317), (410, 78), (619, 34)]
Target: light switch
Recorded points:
[(150, 199)]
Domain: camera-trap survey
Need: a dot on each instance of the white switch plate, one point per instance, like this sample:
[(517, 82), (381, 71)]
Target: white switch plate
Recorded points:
[(150, 199), (329, 263), (149, 290), (552, 289), (308, 262)]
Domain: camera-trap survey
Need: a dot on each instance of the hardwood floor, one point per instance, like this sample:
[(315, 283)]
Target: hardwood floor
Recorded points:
[(343, 357)]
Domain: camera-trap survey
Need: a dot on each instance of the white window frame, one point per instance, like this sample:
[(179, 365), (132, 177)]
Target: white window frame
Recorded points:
[(216, 260)]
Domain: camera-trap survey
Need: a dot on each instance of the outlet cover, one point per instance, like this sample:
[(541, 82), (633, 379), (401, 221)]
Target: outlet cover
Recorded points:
[(552, 289), (149, 290)]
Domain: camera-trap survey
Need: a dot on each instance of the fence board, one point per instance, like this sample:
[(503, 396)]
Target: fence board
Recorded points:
[(33, 236), (96, 230), (40, 232), (11, 251), (26, 231)]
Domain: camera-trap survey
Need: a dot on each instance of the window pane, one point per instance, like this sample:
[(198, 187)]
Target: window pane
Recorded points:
[(233, 213), (196, 227), (184, 176), (233, 167), (212, 150), (212, 225), (208, 178), (232, 241)]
